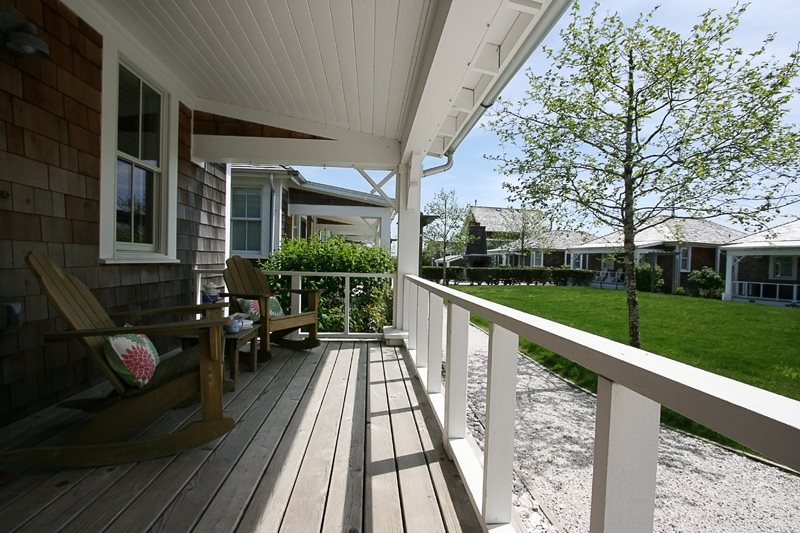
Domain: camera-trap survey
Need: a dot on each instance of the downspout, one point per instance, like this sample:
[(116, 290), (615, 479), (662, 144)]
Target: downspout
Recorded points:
[(271, 213), (441, 168)]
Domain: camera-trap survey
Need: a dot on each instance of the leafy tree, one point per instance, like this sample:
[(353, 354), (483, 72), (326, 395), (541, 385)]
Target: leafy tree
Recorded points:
[(448, 229), (529, 230), (634, 125), (370, 298)]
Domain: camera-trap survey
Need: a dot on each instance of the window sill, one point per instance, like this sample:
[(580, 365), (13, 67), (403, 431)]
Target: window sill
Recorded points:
[(138, 259)]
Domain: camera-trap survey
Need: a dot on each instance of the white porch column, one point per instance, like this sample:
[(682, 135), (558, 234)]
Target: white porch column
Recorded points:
[(408, 212), (730, 259)]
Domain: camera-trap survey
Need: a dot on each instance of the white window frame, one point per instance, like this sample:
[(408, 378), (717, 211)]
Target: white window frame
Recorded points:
[(263, 223), (165, 249), (537, 258), (579, 258), (772, 262), (688, 250)]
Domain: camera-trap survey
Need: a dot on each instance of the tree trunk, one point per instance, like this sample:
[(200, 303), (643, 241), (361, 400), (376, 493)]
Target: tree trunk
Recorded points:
[(629, 214), (444, 263)]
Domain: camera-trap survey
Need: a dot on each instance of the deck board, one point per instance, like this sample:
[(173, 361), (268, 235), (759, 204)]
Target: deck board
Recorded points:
[(334, 439)]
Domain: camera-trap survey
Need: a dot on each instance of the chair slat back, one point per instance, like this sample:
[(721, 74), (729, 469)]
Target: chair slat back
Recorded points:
[(242, 277), (78, 306)]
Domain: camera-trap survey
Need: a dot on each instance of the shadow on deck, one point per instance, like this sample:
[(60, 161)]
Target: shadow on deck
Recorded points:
[(334, 439)]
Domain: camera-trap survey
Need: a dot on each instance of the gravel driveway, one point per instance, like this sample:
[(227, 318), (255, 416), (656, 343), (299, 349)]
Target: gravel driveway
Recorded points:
[(700, 486)]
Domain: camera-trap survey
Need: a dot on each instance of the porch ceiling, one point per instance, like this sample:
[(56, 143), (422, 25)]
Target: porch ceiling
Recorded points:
[(407, 73)]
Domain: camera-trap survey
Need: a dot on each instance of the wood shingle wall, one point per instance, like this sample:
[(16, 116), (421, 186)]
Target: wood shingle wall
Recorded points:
[(49, 202)]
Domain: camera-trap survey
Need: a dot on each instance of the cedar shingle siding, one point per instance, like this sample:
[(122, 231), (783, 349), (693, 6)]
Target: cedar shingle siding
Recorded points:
[(49, 202)]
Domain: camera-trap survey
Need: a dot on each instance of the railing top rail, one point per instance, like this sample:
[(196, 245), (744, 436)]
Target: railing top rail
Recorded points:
[(203, 270), (759, 419)]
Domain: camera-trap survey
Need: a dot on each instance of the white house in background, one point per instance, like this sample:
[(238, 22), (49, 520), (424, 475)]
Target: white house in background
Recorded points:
[(679, 246), (274, 202), (763, 267)]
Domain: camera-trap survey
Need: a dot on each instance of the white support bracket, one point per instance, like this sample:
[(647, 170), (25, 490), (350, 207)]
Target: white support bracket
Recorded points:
[(378, 187)]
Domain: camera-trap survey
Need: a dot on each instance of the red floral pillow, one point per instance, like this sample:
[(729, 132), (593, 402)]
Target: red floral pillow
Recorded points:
[(133, 357)]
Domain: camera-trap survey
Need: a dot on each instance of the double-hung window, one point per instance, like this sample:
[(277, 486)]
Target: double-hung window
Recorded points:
[(246, 220), (537, 258), (139, 184), (686, 259)]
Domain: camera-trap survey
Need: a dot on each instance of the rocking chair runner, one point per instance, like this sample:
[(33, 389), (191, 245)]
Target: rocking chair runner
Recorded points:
[(244, 280), (176, 381)]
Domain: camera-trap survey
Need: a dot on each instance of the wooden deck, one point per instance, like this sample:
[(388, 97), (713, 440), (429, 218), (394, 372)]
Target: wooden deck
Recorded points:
[(334, 439)]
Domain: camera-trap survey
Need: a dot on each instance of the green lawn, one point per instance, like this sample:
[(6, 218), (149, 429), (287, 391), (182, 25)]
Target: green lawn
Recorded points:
[(755, 344)]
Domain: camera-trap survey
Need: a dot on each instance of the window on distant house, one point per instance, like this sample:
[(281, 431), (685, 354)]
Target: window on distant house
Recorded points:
[(686, 259), (139, 146), (782, 267), (577, 261), (537, 258), (246, 220)]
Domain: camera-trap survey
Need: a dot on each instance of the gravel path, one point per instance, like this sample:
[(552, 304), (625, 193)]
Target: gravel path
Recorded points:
[(700, 486)]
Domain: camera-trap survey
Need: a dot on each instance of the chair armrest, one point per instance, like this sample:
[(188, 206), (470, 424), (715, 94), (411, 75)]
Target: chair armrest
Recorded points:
[(243, 295), (181, 309), (306, 291), (173, 328)]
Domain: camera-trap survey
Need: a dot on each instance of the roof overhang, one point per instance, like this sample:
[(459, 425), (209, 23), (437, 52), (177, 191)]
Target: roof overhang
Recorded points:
[(778, 248), (360, 85)]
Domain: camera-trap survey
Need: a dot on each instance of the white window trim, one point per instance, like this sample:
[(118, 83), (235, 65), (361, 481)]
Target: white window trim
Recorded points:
[(263, 196), (792, 276), (537, 254), (688, 258), (167, 236)]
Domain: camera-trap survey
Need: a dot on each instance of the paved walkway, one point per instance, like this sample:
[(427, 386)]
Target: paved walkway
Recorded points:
[(701, 486)]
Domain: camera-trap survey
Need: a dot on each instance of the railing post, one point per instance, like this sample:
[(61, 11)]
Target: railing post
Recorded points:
[(625, 456), (422, 327), (297, 284), (455, 389), (436, 310), (501, 399), (347, 305), (411, 302)]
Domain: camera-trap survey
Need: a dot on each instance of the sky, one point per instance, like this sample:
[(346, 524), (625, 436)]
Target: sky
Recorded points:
[(476, 179)]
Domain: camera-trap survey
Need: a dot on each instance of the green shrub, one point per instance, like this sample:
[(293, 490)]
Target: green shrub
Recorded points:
[(681, 291), (706, 283), (431, 273), (370, 298), (560, 276), (582, 278), (644, 272)]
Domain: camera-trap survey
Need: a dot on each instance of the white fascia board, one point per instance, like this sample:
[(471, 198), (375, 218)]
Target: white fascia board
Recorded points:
[(462, 33), (339, 210), (785, 248), (368, 152)]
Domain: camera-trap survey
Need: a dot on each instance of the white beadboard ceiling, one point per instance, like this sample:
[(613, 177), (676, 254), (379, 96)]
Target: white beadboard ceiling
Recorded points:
[(356, 65)]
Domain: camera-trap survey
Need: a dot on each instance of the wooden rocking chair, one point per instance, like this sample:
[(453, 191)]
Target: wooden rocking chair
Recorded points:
[(244, 280), (177, 380)]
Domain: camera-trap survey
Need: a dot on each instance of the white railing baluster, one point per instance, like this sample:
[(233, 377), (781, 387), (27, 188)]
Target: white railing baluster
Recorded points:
[(501, 400), (412, 319), (435, 312), (422, 328), (407, 287), (347, 305), (625, 455), (455, 400)]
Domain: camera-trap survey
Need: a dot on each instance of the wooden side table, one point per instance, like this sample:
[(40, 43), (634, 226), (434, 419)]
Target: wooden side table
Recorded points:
[(235, 342)]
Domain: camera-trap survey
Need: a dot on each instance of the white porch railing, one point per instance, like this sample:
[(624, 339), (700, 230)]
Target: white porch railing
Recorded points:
[(608, 277), (297, 283), (632, 384), (778, 292)]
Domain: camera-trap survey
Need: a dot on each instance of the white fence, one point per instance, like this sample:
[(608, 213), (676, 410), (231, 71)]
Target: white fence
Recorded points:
[(632, 385), (297, 283), (778, 292)]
